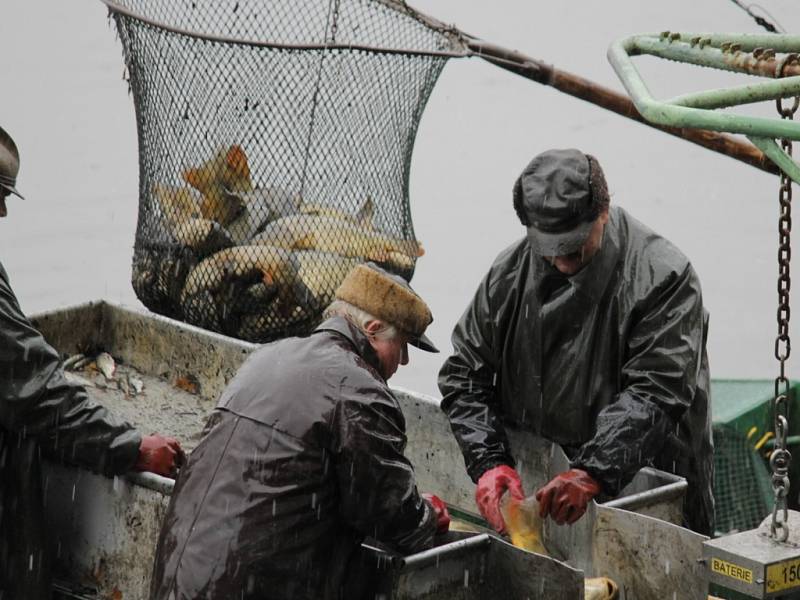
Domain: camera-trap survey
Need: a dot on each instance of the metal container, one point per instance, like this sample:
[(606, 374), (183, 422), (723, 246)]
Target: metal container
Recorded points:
[(104, 531)]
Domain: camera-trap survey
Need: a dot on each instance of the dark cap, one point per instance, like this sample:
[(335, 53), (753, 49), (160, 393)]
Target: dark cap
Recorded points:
[(390, 298), (553, 198), (9, 163)]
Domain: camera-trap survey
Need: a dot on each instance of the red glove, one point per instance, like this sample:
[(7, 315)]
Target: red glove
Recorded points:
[(160, 455), (567, 495), (440, 508), (491, 487)]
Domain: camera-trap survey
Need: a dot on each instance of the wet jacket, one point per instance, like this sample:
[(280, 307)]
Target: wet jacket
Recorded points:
[(302, 459), (610, 363), (42, 414)]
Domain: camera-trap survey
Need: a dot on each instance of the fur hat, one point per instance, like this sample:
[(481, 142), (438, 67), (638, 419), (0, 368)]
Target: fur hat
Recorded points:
[(9, 163), (389, 298)]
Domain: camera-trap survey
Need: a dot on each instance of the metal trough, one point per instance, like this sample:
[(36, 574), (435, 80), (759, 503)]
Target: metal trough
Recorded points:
[(104, 531)]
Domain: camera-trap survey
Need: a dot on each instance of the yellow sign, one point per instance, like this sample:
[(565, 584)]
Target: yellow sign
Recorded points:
[(783, 576), (732, 570)]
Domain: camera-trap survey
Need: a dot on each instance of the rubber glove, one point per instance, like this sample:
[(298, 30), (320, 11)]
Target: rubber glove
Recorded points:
[(491, 487), (442, 515), (567, 495), (161, 455)]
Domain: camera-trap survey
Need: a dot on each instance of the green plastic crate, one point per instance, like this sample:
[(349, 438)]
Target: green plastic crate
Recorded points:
[(742, 415)]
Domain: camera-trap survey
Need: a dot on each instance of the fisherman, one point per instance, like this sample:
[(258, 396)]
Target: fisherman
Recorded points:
[(589, 332), (303, 459), (42, 413)]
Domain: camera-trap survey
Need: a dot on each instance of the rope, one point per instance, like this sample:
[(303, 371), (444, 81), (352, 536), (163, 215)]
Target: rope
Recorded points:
[(758, 19)]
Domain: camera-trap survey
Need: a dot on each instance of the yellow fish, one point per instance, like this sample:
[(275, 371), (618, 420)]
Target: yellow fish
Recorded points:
[(523, 523), (330, 234), (181, 210), (218, 180)]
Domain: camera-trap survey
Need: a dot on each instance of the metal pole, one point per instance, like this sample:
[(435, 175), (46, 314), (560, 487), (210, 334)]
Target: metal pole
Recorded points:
[(604, 97)]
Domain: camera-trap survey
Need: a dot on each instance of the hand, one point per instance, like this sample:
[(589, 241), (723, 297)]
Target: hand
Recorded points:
[(440, 508), (160, 455), (491, 487), (567, 495)]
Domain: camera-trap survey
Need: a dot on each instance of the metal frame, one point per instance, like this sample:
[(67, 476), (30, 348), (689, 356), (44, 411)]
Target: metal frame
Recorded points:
[(114, 7), (720, 51)]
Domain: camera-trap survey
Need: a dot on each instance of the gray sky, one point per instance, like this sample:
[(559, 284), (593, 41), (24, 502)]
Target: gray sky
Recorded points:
[(71, 241)]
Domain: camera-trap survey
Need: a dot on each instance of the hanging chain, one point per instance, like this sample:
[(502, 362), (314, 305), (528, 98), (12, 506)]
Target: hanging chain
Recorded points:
[(781, 458)]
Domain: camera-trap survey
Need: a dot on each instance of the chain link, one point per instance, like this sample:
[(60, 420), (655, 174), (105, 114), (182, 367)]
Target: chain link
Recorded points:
[(781, 458)]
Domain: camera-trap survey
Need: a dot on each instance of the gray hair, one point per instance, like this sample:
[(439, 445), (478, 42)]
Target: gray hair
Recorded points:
[(360, 318)]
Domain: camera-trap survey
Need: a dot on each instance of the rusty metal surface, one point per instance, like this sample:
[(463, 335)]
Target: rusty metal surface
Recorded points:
[(105, 530), (648, 558), (585, 89)]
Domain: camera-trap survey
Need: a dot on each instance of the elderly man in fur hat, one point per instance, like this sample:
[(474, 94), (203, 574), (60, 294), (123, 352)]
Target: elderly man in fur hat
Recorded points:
[(42, 413), (303, 459)]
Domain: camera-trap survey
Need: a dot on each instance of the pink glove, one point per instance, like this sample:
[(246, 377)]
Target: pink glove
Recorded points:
[(440, 508), (161, 455), (491, 487), (567, 495)]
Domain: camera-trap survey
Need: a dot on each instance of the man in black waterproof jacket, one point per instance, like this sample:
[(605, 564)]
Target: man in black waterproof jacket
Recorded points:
[(589, 332), (44, 414), (303, 459)]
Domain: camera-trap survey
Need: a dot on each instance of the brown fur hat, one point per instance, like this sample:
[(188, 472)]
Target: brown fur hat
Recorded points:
[(389, 298)]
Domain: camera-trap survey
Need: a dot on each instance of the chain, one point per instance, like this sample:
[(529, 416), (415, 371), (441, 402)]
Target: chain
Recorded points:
[(781, 458)]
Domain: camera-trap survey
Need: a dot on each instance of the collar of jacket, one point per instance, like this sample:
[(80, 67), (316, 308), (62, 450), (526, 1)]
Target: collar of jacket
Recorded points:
[(355, 336), (593, 279)]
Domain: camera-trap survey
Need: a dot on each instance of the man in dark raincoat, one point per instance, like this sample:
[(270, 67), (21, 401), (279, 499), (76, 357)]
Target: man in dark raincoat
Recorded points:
[(591, 333), (303, 459), (44, 414)]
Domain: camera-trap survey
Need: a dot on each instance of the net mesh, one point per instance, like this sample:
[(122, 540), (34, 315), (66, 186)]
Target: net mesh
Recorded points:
[(275, 138), (741, 482)]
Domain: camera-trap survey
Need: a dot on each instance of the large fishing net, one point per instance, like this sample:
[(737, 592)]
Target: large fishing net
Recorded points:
[(275, 138)]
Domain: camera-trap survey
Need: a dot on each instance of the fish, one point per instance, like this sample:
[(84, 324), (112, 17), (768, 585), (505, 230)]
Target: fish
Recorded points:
[(180, 208), (524, 523), (105, 364), (276, 322), (204, 236), (214, 286), (318, 276), (159, 277), (600, 588), (177, 204), (219, 180), (364, 217), (259, 207), (330, 234)]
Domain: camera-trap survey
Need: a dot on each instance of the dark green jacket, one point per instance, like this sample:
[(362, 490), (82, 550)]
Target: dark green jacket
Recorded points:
[(42, 414), (609, 363)]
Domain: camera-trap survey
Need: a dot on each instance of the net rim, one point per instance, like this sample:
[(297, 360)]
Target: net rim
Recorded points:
[(116, 8)]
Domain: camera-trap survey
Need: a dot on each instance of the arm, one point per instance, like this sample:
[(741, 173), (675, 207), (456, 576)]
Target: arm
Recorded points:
[(466, 382), (36, 400), (378, 494), (659, 380)]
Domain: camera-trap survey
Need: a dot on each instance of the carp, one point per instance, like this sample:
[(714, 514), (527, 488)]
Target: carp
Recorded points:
[(214, 294), (259, 207), (181, 210), (318, 276), (273, 266), (218, 180), (330, 234), (524, 523)]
